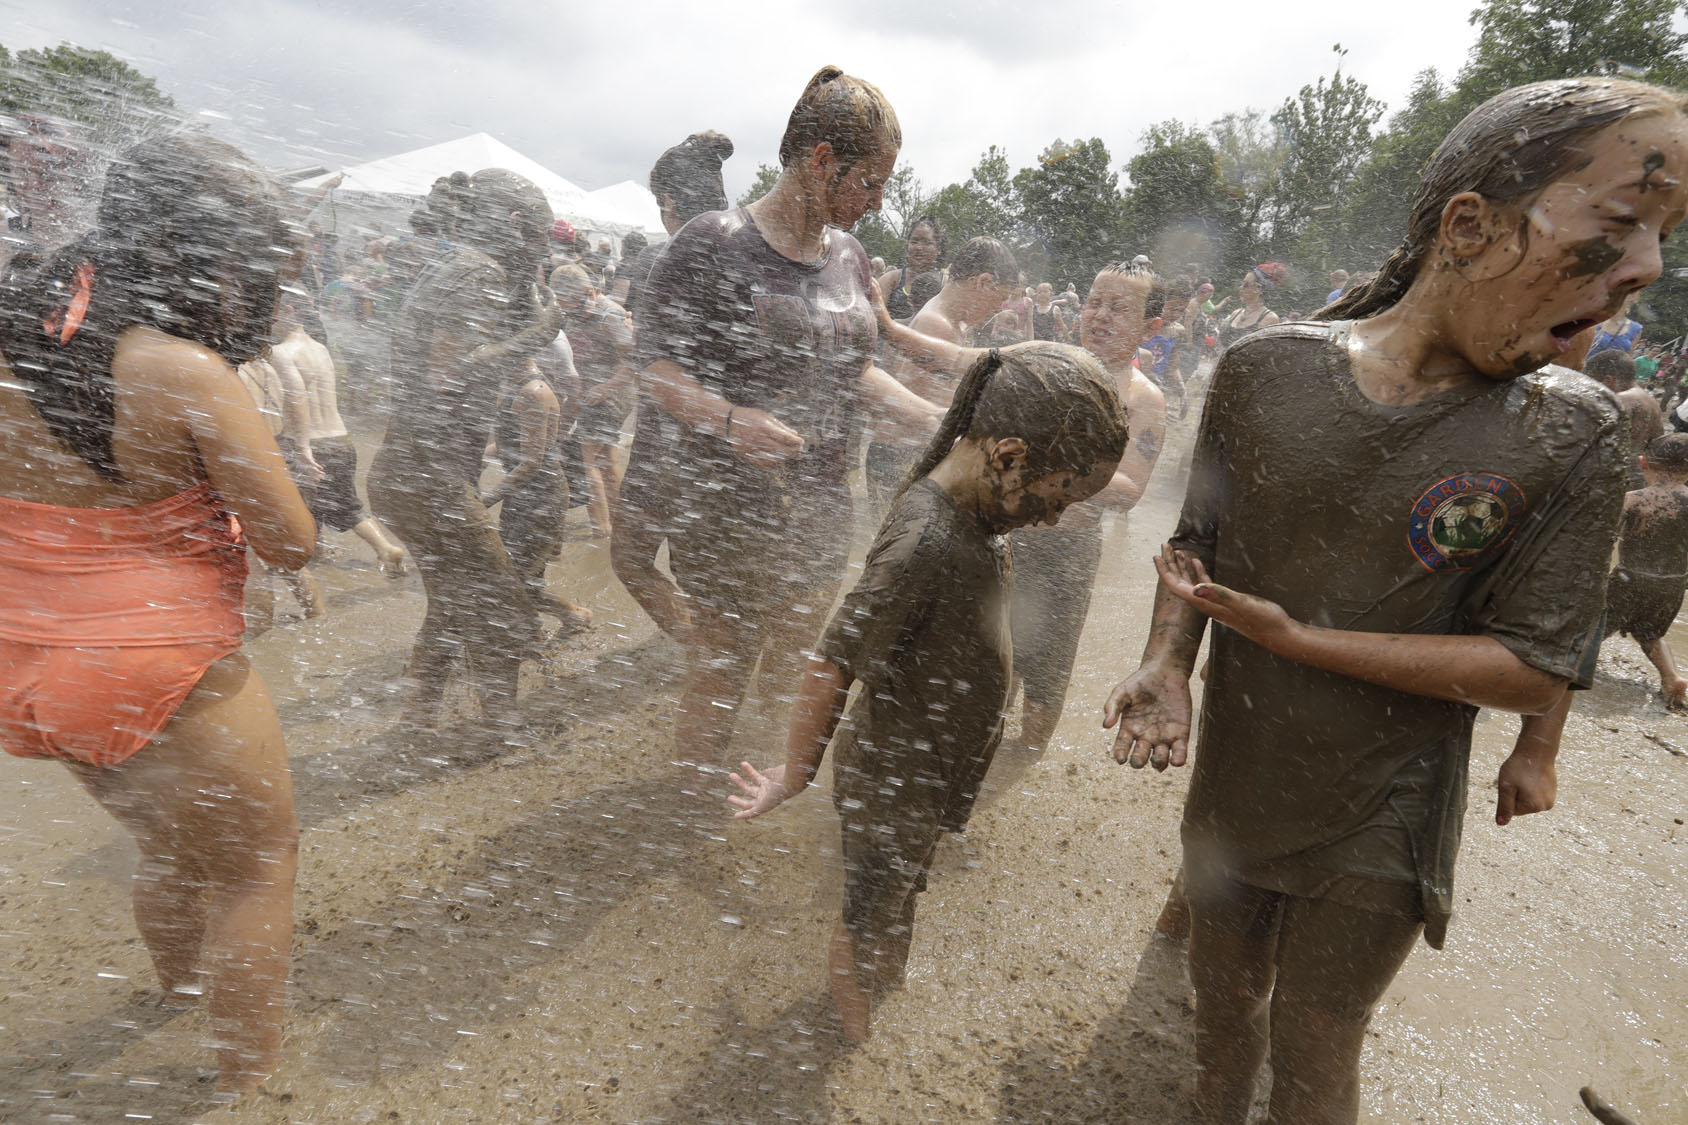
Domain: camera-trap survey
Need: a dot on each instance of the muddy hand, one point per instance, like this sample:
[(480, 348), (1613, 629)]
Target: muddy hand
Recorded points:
[(1526, 786), (1152, 709), (762, 439), (1186, 579), (762, 791)]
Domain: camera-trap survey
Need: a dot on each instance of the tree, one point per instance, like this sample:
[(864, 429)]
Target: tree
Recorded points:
[(1521, 41), (1377, 203), (1327, 136), (106, 96), (1178, 209), (766, 176), (1071, 207)]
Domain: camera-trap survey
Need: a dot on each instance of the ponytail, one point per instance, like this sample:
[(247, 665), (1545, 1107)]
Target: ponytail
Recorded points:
[(958, 419), (1054, 397)]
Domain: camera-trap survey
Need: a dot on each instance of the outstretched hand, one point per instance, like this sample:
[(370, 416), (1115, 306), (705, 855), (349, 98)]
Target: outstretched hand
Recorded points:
[(1186, 579), (762, 791), (1152, 708)]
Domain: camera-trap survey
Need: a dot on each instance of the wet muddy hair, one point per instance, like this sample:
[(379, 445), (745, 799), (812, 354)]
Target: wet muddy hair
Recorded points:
[(1054, 397), (190, 238), (691, 173), (985, 255), (439, 214), (1668, 453), (1614, 369), (493, 194), (848, 113), (1508, 150), (1154, 289)]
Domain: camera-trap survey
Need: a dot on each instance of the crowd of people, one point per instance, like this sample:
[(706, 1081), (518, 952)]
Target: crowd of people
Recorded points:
[(1439, 548)]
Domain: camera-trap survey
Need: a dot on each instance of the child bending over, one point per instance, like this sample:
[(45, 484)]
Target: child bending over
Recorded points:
[(1031, 430)]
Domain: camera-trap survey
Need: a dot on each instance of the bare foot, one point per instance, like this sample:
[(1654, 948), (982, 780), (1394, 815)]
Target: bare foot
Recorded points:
[(1676, 695), (572, 619), (393, 565)]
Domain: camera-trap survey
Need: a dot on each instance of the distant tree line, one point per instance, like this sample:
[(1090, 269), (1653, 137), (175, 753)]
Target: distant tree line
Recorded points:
[(1320, 182)]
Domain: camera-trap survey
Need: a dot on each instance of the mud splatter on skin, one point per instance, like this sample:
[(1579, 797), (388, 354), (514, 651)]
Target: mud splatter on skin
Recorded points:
[(1592, 256)]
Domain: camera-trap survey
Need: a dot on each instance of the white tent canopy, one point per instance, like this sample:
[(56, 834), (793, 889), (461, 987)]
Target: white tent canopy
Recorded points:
[(406, 178), (630, 203)]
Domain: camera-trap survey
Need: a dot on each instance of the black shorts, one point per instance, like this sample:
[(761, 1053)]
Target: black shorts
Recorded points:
[(334, 501)]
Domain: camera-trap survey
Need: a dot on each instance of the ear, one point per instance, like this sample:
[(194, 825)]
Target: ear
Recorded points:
[(1007, 454), (1151, 326), (1470, 225), (823, 161)]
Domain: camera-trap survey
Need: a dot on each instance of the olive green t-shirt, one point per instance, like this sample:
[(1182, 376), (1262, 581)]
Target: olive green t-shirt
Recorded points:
[(926, 632), (1490, 510)]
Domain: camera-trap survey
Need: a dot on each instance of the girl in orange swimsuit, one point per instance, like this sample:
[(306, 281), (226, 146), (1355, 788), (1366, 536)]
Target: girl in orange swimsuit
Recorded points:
[(135, 469)]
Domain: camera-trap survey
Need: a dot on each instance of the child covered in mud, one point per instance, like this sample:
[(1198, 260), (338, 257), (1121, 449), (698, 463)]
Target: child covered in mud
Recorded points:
[(1408, 521), (1032, 429), (1644, 594)]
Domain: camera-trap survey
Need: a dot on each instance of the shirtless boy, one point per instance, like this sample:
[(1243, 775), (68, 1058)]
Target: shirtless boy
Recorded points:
[(1644, 593)]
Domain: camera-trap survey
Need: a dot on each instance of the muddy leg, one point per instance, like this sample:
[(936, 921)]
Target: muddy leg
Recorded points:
[(1232, 975), (1335, 963), (634, 543), (720, 656), (1670, 680), (852, 998), (214, 797)]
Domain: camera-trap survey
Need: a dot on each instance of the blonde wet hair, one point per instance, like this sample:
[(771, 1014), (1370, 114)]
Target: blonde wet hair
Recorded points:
[(848, 113)]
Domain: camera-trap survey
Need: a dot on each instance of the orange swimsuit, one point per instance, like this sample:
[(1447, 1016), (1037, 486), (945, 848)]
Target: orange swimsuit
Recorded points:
[(109, 617)]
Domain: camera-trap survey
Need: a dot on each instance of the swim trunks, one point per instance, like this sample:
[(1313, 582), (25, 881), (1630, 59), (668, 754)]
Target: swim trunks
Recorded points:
[(109, 617)]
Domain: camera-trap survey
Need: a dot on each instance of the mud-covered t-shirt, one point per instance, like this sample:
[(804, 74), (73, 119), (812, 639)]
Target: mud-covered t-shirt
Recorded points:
[(926, 632), (448, 416), (764, 331), (1490, 510)]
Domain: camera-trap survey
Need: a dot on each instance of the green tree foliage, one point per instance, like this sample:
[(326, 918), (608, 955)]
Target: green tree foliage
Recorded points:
[(1327, 136), (766, 176), (97, 90), (1071, 208), (1178, 208), (1522, 41)]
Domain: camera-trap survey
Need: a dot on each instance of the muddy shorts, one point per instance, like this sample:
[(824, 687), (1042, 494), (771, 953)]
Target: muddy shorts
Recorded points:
[(1330, 956), (601, 422), (1642, 605), (893, 809)]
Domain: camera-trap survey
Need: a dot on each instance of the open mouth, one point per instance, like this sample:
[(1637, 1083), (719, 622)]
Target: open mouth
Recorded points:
[(1563, 334)]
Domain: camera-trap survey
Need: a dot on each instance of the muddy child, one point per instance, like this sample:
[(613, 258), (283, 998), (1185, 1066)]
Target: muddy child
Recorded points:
[(1644, 593), (1394, 518), (1032, 430)]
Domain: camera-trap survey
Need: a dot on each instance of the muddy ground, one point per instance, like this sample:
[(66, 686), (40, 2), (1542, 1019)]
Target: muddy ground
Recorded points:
[(566, 926)]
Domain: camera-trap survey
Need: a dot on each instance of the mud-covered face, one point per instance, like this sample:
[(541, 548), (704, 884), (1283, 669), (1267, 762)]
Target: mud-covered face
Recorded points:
[(1113, 318), (922, 250), (860, 189), (1585, 245), (1043, 499)]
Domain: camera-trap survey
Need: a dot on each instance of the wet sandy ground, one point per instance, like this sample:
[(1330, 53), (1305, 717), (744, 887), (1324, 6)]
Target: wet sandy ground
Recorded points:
[(566, 926)]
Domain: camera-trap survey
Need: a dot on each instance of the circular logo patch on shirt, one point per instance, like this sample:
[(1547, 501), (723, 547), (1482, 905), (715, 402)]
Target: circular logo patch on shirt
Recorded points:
[(1460, 517)]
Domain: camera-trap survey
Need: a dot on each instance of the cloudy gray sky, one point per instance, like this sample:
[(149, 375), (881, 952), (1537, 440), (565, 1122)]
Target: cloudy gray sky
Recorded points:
[(595, 90)]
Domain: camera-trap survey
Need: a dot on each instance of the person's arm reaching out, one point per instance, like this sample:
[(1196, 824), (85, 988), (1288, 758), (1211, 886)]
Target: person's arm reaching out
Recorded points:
[(814, 717)]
